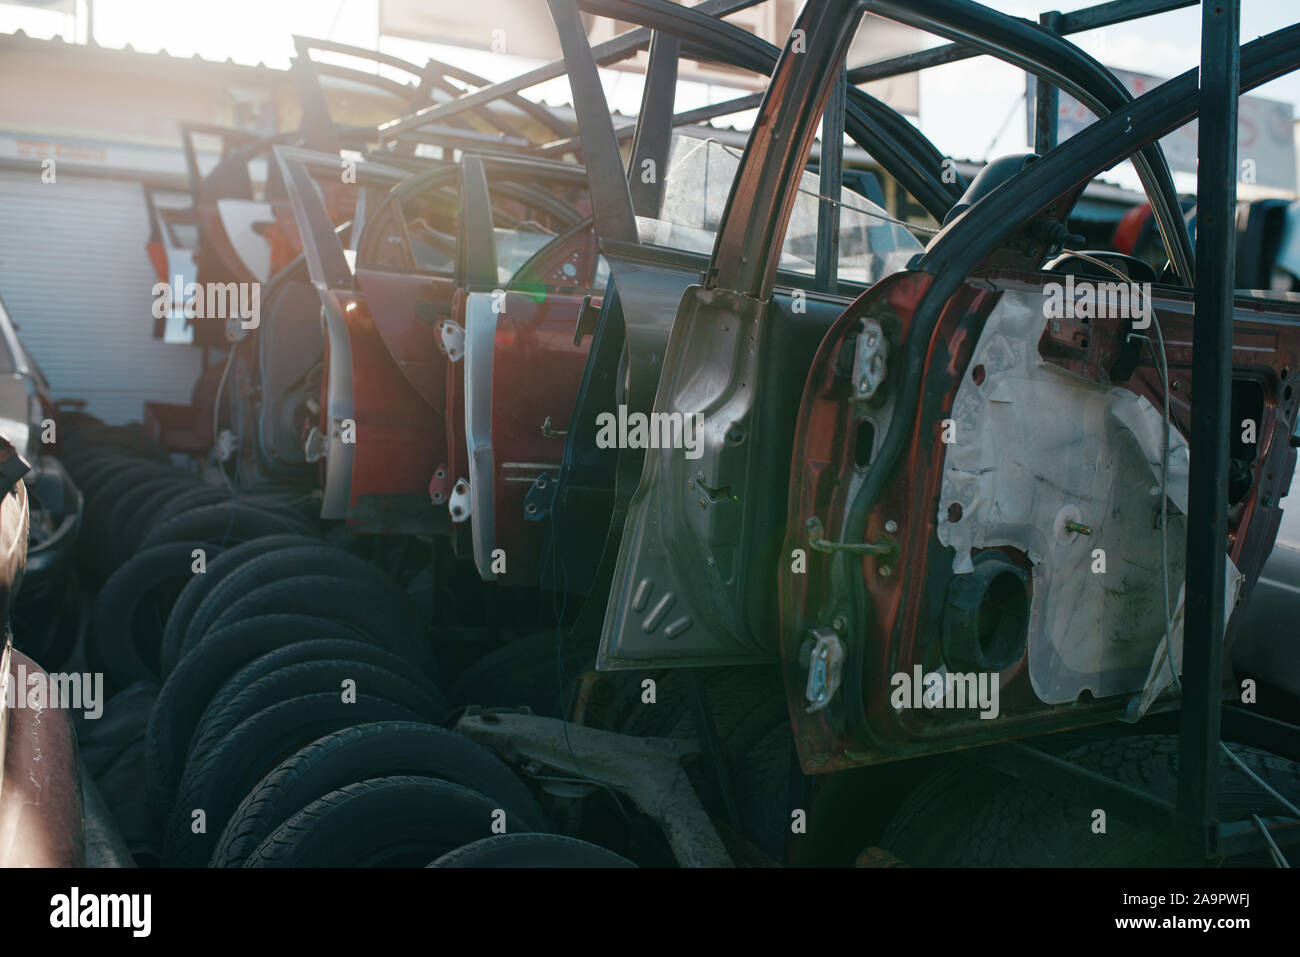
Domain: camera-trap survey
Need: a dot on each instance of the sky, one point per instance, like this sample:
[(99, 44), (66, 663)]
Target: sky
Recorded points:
[(970, 109)]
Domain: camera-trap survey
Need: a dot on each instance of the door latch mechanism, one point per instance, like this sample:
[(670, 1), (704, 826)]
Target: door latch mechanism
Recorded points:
[(825, 669), (817, 539)]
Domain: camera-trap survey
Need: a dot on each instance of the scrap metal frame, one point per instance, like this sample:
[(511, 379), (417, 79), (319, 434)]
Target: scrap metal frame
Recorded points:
[(1210, 93), (1193, 818), (1207, 493), (611, 51)]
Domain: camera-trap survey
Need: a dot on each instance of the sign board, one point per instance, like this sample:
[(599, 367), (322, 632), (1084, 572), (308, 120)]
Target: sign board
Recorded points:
[(1265, 133)]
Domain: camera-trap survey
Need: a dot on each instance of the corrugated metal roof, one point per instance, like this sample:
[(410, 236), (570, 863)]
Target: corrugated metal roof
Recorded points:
[(60, 46)]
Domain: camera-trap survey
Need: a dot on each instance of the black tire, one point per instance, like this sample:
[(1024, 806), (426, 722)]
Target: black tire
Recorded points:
[(749, 714), (258, 570), (359, 604), (531, 850), (118, 439), (103, 465), (128, 616), (224, 524), (205, 494), (236, 764), (188, 689), (671, 706), (292, 505), (74, 422), (731, 695), (385, 822), (523, 672), (288, 501), (48, 629), (368, 751), (228, 562), (419, 592), (131, 529), (116, 541), (324, 649), (967, 815), (101, 495), (762, 756), (227, 711)]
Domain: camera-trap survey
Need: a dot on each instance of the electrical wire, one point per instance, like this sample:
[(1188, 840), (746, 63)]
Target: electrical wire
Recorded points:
[(1274, 851), (874, 214), (1161, 360), (1245, 768), (1164, 503)]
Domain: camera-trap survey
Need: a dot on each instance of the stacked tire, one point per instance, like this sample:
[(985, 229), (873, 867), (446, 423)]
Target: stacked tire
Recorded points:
[(149, 525), (299, 718), (300, 722)]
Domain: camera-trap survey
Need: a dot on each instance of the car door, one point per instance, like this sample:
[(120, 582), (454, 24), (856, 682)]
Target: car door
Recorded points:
[(376, 438), (1003, 515), (528, 270), (391, 433), (659, 255)]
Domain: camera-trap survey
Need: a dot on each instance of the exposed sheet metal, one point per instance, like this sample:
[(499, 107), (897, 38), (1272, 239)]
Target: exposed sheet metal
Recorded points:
[(1160, 676), (1067, 471), (480, 342)]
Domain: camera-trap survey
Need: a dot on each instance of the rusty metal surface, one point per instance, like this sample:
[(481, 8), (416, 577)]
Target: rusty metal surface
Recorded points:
[(40, 793), (903, 617), (647, 770)]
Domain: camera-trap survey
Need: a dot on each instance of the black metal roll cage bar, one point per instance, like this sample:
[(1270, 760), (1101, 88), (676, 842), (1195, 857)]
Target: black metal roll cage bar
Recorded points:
[(1038, 50), (611, 51), (906, 153), (900, 148)]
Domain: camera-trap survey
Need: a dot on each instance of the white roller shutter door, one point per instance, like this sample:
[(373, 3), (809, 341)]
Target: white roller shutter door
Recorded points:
[(76, 279)]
